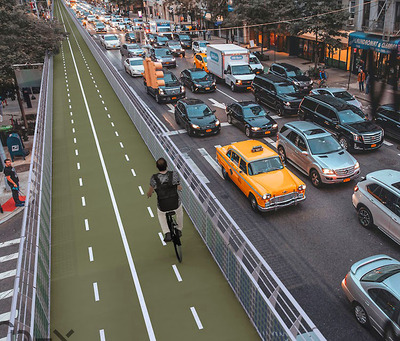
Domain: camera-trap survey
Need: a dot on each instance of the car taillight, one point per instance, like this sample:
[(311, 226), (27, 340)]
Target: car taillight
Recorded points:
[(345, 280), (355, 188)]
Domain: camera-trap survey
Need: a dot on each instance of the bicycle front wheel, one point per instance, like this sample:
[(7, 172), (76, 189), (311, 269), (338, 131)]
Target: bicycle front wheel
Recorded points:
[(178, 248)]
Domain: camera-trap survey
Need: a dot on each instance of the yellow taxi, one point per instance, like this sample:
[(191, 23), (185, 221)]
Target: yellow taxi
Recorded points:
[(259, 173), (200, 61)]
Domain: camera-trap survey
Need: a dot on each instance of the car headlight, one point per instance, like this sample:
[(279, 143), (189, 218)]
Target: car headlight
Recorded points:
[(296, 83), (357, 165), (182, 88), (286, 104), (357, 137), (266, 196), (275, 126), (173, 59), (239, 81), (311, 82), (196, 85), (162, 92), (255, 128), (195, 126), (213, 83), (328, 171), (302, 187), (217, 123)]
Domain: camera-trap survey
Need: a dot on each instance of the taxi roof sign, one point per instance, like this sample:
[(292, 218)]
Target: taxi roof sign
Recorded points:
[(257, 149)]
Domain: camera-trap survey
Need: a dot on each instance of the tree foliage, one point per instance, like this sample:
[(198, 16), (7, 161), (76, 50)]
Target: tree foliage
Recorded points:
[(24, 39)]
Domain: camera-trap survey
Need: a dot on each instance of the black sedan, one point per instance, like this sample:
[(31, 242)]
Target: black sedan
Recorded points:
[(130, 37), (252, 118), (389, 119), (198, 80), (197, 117)]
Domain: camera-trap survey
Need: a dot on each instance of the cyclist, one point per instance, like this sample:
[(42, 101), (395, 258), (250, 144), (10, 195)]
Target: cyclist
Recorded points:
[(322, 77), (166, 184)]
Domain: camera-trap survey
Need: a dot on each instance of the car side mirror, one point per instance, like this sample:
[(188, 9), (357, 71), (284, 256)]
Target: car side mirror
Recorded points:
[(214, 111)]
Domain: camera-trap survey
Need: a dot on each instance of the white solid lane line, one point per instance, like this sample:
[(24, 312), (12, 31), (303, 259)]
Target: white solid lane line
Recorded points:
[(211, 161), (229, 96), (162, 239), (91, 259), (96, 292), (177, 274), (87, 224), (196, 317), (150, 212), (10, 242), (131, 263)]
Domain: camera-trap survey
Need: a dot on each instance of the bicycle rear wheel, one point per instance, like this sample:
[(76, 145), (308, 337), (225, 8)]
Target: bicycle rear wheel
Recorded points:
[(177, 246)]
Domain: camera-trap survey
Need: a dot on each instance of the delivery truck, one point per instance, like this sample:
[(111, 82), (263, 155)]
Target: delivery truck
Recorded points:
[(230, 63)]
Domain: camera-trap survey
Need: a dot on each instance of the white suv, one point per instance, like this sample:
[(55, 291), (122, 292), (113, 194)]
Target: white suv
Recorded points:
[(377, 201)]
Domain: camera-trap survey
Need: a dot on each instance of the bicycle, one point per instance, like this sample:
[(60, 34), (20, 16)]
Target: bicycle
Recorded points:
[(172, 225)]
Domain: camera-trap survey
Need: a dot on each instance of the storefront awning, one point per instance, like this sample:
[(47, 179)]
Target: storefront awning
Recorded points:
[(365, 41), (311, 36)]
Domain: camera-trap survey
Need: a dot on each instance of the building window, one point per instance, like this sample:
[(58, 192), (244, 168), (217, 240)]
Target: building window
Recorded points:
[(352, 9), (397, 17), (381, 15), (365, 21)]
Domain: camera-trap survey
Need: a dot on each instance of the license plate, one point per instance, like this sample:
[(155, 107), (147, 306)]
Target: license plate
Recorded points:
[(373, 145), (207, 88), (267, 132), (249, 87), (167, 63), (208, 131), (173, 98), (346, 180)]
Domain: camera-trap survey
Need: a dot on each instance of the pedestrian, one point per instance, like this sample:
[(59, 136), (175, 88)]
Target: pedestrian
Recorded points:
[(166, 184), (367, 83), (361, 80), (13, 182), (208, 35)]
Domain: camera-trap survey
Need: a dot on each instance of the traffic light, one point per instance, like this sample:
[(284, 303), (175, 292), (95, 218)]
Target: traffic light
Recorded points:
[(153, 73)]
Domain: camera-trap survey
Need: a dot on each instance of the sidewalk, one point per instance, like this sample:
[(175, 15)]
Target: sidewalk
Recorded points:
[(21, 166)]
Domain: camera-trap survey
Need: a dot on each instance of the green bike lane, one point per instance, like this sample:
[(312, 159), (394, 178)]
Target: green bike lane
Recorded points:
[(76, 268)]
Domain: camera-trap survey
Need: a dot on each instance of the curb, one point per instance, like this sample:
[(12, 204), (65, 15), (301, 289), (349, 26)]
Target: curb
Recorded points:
[(11, 214)]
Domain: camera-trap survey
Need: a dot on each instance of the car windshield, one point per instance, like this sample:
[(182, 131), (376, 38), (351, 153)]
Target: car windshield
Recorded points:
[(254, 60), (110, 38), (253, 111), (285, 89), (198, 111), (174, 45), (170, 78), (184, 37), (203, 44), (265, 165), (162, 39), (162, 52), (136, 62), (381, 273), (201, 75), (163, 29), (133, 47), (343, 95), (323, 145), (348, 116), (294, 73), (241, 70)]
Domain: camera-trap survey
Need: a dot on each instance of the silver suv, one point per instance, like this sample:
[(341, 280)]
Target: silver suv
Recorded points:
[(316, 153), (373, 288), (377, 201)]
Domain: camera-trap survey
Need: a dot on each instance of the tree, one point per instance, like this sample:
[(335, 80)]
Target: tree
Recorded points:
[(326, 27), (24, 40)]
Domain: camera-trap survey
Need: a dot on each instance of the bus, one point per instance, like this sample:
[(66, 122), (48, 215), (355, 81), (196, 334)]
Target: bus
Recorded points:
[(160, 26)]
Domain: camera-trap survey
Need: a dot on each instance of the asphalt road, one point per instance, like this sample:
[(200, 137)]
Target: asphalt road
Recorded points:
[(310, 246)]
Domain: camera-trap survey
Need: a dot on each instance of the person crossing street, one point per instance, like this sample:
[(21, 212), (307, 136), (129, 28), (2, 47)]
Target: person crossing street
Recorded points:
[(13, 182)]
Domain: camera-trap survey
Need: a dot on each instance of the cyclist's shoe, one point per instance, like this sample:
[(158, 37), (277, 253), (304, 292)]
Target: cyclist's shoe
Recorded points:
[(19, 205), (167, 237), (179, 233)]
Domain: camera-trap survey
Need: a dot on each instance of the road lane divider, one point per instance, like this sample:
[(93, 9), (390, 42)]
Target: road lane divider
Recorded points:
[(96, 292), (196, 317), (177, 274), (162, 239)]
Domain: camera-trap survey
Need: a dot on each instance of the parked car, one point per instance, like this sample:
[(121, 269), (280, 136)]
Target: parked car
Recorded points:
[(338, 93), (389, 119), (259, 173), (134, 66), (255, 64), (198, 80), (252, 118), (175, 47), (110, 41), (373, 288), (200, 61), (132, 50), (130, 37), (163, 56), (185, 40), (170, 92), (197, 117), (377, 201), (316, 153), (200, 46), (294, 75), (348, 123), (277, 93)]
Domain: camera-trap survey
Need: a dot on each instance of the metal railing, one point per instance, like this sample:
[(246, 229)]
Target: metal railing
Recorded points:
[(30, 308), (272, 309)]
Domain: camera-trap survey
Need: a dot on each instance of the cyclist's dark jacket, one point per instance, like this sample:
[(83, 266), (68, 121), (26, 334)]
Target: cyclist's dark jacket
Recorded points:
[(167, 193)]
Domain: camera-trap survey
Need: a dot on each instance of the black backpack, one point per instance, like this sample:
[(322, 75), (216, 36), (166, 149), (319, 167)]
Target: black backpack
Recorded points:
[(167, 193)]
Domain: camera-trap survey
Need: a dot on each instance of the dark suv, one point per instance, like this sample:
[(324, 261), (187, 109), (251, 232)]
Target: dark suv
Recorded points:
[(294, 75), (389, 119), (277, 93), (347, 122), (170, 92), (185, 39)]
